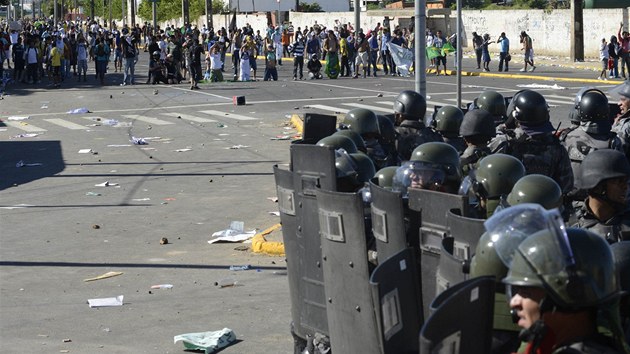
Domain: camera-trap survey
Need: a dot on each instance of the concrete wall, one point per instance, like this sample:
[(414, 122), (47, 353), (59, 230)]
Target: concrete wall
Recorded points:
[(286, 5)]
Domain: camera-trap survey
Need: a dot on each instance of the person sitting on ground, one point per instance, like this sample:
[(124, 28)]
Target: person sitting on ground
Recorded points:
[(314, 67)]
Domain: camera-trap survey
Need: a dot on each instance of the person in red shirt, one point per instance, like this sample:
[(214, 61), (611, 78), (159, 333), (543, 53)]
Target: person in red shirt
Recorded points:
[(624, 42)]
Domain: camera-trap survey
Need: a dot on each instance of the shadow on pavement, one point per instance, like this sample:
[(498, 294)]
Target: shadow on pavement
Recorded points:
[(15, 153), (126, 265)]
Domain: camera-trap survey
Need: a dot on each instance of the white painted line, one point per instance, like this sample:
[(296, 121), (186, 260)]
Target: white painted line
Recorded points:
[(147, 119), (24, 126), (227, 115), (346, 88), (201, 93), (188, 117), (386, 103), (372, 108), (329, 108), (66, 124)]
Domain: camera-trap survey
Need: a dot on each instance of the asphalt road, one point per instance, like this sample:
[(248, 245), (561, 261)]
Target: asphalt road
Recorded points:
[(58, 228)]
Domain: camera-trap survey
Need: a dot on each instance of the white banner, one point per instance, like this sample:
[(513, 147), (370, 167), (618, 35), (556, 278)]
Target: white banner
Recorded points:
[(403, 58)]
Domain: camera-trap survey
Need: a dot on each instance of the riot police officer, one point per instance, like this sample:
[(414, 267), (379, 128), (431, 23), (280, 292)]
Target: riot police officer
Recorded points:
[(591, 129), (352, 171), (538, 189), (621, 125), (339, 142), (444, 157), (560, 286), (387, 141), (493, 103), (533, 141), (356, 138), (409, 110), (604, 176), (447, 122), (477, 129), (365, 123), (493, 179)]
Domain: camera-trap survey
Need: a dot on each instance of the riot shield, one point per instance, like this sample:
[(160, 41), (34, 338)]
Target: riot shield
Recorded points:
[(351, 318), (388, 222), (396, 297), (466, 232), (286, 206), (450, 268), (447, 331), (313, 167), (432, 208), (317, 127)]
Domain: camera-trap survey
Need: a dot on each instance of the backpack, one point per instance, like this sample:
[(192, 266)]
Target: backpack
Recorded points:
[(100, 50)]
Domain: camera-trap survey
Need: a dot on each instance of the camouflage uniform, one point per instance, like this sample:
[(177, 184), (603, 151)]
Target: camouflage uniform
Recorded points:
[(469, 158), (613, 230), (622, 128), (540, 153), (411, 134)]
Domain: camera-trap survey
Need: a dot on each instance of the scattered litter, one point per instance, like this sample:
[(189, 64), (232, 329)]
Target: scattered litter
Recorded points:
[(118, 145), (25, 135), (379, 95), (21, 163), (79, 111), (226, 283), (162, 286), (106, 302), (104, 276), (18, 117), (274, 213), (111, 122), (279, 273), (139, 141), (93, 194), (44, 106), (240, 267), (281, 137), (273, 199), (67, 340), (170, 199), (224, 134), (221, 125), (236, 147), (96, 227), (209, 342), (85, 151), (241, 248), (235, 233), (141, 200), (183, 150), (163, 241), (106, 184), (542, 86)]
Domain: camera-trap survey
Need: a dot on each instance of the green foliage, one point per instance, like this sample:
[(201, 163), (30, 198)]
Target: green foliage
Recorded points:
[(170, 9), (314, 7), (532, 4), (4, 2)]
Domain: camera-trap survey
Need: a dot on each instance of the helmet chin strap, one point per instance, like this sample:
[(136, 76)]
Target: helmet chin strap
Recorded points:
[(537, 331)]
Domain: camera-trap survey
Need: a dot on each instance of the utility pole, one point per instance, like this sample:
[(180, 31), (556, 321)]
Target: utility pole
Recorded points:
[(420, 25), (357, 16), (55, 13), (577, 31), (185, 14), (154, 4), (92, 10), (124, 15), (132, 9), (208, 14)]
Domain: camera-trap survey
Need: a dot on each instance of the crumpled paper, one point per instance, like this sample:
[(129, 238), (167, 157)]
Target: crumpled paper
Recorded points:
[(235, 233), (209, 342)]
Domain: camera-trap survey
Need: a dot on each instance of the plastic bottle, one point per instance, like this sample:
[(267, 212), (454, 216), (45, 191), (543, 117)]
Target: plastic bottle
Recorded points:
[(226, 282)]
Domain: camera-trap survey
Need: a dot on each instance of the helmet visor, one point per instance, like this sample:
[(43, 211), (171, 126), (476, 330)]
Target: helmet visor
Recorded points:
[(415, 174), (510, 226)]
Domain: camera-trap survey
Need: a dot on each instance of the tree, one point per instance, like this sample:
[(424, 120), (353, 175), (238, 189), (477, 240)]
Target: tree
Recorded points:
[(314, 7), (170, 9)]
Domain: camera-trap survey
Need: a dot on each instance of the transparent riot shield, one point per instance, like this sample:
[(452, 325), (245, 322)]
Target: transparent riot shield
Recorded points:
[(388, 222), (313, 167), (431, 208), (466, 232), (461, 321), (396, 296), (351, 317)]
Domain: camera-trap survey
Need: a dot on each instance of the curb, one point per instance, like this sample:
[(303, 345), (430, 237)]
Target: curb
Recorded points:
[(297, 123), (260, 245)]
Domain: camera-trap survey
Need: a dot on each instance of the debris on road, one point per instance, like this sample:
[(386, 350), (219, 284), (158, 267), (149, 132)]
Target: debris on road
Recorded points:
[(79, 110), (162, 286), (18, 118), (25, 135), (139, 141), (93, 194), (274, 213), (96, 227), (106, 184), (226, 283), (209, 342), (104, 276), (240, 267), (163, 241), (85, 151), (235, 233), (21, 163), (273, 199), (106, 302), (236, 147), (183, 150)]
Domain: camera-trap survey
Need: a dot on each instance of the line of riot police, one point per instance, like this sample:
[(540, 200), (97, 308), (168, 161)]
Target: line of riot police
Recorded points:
[(404, 237)]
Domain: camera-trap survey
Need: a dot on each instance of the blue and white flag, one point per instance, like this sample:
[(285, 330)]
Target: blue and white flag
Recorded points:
[(403, 58)]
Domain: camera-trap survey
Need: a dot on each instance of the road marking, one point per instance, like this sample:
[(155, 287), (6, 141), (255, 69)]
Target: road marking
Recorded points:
[(386, 103), (227, 115), (372, 108), (202, 93), (66, 124), (188, 117), (149, 120), (329, 108), (347, 88), (24, 126)]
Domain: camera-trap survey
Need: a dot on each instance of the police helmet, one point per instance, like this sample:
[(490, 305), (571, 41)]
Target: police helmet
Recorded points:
[(538, 189), (364, 167), (385, 176), (448, 120), (529, 107), (156, 53), (418, 174), (386, 127), (439, 154), (477, 122), (601, 165), (411, 105), (339, 142), (354, 136), (494, 103), (574, 266), (362, 121), (497, 174), (591, 104)]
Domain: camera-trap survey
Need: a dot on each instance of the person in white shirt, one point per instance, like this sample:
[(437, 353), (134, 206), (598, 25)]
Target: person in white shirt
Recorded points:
[(603, 57), (82, 58)]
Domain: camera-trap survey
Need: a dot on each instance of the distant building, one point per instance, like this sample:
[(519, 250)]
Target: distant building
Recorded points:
[(287, 5)]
